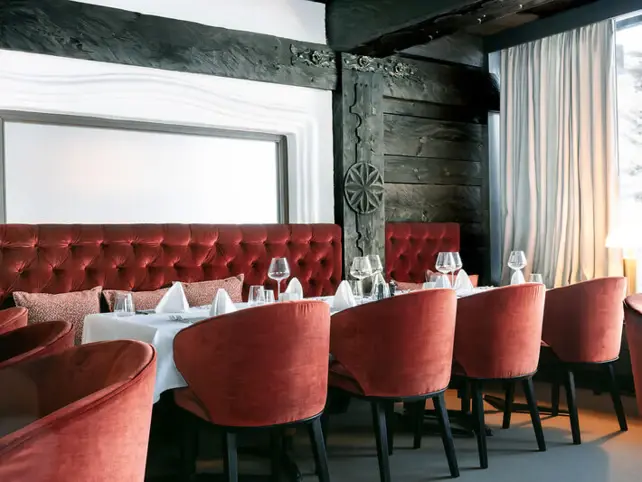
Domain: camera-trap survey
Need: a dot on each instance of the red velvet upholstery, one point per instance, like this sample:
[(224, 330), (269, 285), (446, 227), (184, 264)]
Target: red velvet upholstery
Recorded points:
[(35, 341), (398, 347), (499, 332), (63, 258), (633, 317), (583, 322), (256, 367), (80, 415), (412, 248), (13, 318)]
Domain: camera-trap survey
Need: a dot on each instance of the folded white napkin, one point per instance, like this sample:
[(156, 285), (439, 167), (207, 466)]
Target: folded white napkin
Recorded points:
[(428, 285), (443, 282), (294, 287), (222, 303), (344, 298), (462, 282), (517, 278), (174, 300)]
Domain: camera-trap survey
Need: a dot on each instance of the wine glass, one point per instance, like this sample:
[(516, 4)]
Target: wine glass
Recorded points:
[(445, 263), (361, 269), (517, 262), (279, 270), (458, 265), (375, 263), (124, 304), (256, 296)]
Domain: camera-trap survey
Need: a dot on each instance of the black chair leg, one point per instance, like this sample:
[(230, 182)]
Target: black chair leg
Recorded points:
[(480, 425), (318, 448), (569, 384), (419, 409), (379, 421), (325, 426), (446, 433), (555, 397), (189, 446), (529, 391), (230, 457), (276, 453), (615, 396), (390, 425), (508, 406)]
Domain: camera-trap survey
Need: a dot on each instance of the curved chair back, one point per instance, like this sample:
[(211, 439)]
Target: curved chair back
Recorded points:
[(398, 347), (13, 318), (34, 341), (583, 322), (258, 367), (498, 333), (83, 414), (633, 318)]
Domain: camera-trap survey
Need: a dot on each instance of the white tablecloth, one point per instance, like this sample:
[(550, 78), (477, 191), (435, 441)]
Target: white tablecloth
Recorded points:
[(158, 330)]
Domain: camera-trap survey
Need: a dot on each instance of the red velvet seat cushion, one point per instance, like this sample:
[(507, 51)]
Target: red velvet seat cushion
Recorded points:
[(35, 341), (12, 318), (340, 377)]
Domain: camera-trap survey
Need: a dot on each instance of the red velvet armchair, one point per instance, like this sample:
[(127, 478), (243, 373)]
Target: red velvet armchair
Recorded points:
[(397, 349), (12, 318), (498, 337), (264, 367), (80, 415), (583, 326), (35, 341), (633, 318)]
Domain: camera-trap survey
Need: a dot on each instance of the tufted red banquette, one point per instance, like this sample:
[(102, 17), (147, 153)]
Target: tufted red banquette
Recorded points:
[(62, 258), (412, 248)]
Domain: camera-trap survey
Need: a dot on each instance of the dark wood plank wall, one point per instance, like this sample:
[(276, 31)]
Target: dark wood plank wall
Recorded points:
[(435, 144)]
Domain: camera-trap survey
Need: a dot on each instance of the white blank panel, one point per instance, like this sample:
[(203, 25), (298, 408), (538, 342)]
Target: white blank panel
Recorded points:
[(69, 174)]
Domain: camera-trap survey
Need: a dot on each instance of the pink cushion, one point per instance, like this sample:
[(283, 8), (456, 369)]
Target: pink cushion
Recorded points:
[(203, 292), (143, 300), (71, 307)]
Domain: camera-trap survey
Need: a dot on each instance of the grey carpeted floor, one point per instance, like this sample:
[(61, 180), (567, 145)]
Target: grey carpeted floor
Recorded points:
[(605, 455)]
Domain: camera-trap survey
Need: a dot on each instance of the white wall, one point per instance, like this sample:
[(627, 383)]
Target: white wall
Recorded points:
[(40, 83), (295, 19)]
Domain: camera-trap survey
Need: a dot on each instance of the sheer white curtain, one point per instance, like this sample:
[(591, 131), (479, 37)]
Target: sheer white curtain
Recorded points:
[(558, 154)]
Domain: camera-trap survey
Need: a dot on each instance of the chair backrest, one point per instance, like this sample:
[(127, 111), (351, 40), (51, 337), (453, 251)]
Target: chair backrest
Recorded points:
[(34, 341), (261, 366), (499, 332), (633, 319), (583, 322), (83, 414), (400, 346), (13, 318)]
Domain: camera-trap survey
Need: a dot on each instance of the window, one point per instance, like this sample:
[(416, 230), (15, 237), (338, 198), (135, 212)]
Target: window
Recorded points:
[(62, 169), (629, 85)]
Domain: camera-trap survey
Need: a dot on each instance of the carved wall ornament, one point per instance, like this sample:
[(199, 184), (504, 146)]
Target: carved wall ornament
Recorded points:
[(363, 187), (317, 58), (390, 66)]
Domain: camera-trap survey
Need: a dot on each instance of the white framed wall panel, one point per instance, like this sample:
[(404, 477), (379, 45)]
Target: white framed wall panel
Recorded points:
[(46, 84)]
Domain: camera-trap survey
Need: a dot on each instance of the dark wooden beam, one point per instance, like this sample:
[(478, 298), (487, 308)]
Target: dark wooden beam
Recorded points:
[(562, 22), (70, 29), (383, 27)]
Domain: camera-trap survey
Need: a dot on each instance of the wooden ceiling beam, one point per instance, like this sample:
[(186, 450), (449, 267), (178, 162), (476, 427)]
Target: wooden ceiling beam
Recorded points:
[(383, 27)]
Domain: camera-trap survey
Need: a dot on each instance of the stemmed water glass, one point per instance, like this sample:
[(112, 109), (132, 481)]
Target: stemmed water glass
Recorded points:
[(517, 262), (361, 269), (458, 265), (279, 270), (445, 263)]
